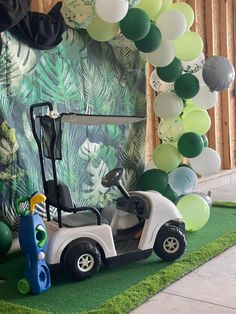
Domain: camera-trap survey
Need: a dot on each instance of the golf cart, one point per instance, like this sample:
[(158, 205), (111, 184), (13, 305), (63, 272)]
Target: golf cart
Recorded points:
[(84, 239)]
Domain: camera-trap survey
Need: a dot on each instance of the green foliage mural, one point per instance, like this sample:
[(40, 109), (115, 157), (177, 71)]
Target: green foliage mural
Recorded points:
[(82, 76)]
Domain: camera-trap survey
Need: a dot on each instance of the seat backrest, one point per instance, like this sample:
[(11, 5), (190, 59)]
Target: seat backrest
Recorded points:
[(65, 200)]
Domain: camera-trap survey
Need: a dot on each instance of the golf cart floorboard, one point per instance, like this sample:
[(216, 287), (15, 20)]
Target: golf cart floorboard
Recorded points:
[(124, 243)]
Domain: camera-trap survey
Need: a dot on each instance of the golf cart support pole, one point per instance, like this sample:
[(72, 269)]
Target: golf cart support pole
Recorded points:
[(53, 161)]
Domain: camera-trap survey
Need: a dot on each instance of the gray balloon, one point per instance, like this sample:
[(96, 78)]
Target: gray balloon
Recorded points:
[(218, 73)]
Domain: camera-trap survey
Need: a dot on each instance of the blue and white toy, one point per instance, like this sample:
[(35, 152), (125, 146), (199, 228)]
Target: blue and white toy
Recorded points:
[(33, 242)]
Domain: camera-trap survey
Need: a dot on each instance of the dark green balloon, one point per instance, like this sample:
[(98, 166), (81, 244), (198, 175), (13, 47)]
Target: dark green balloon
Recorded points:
[(190, 144), (205, 140), (5, 238), (135, 25), (184, 165), (151, 41), (187, 86), (171, 72), (153, 179), (170, 194)]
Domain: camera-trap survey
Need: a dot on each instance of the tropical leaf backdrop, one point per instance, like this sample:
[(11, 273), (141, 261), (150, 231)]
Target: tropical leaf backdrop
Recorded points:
[(82, 76)]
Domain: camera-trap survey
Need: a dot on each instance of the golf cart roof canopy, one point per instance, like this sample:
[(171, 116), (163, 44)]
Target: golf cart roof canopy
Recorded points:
[(89, 119)]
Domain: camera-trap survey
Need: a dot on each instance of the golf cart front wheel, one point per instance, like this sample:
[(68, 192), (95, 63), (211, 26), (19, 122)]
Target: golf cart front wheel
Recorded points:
[(83, 260), (170, 243)]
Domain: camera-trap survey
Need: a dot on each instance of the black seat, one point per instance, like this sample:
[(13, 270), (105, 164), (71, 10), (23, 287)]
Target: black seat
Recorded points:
[(77, 219)]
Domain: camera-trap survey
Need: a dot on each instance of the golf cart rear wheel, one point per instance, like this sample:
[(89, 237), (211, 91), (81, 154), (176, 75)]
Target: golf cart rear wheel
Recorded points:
[(170, 243), (83, 260)]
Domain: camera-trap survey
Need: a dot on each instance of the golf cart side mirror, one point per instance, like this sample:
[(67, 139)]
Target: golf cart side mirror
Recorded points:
[(114, 178)]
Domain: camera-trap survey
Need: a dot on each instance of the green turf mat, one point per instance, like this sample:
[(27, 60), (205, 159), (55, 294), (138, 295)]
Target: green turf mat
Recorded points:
[(121, 289)]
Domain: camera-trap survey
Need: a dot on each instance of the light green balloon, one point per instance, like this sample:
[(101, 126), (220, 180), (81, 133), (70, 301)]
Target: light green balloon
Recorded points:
[(197, 121), (194, 210), (170, 130), (166, 157), (151, 7), (189, 107), (186, 10), (188, 46), (100, 30), (166, 5)]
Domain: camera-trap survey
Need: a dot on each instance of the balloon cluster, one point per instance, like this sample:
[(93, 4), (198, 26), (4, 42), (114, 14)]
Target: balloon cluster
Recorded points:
[(188, 86)]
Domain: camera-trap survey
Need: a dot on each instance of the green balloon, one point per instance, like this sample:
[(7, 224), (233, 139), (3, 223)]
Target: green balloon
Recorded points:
[(205, 140), (170, 194), (5, 238), (197, 121), (151, 7), (189, 106), (166, 157), (187, 86), (171, 72), (185, 165), (188, 46), (153, 179), (151, 41), (101, 31), (190, 145), (194, 210), (135, 25)]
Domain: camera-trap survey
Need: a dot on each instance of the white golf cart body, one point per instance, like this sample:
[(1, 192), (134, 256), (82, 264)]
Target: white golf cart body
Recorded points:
[(162, 211)]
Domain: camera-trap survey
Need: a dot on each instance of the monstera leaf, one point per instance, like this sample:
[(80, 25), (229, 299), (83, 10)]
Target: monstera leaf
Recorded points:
[(74, 46), (16, 60), (132, 152), (8, 144), (58, 81)]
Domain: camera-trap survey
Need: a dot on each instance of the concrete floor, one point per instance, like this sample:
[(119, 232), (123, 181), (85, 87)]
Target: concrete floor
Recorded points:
[(210, 289)]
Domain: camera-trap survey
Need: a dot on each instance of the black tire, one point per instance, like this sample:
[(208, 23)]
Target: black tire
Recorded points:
[(170, 243), (83, 260)]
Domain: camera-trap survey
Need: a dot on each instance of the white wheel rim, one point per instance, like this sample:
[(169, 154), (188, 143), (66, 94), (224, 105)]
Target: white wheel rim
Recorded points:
[(85, 262), (171, 245)]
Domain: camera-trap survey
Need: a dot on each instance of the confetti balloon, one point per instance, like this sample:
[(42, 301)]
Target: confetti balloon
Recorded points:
[(170, 130), (78, 14), (183, 180)]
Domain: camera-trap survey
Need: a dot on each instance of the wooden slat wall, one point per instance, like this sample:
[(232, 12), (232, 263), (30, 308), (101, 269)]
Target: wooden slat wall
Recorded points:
[(215, 22)]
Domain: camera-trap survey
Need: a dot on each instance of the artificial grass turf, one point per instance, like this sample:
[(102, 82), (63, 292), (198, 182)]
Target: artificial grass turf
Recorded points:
[(121, 289)]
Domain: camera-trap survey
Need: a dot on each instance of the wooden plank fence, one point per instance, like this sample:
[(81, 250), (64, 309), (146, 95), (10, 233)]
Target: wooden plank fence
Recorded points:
[(215, 22)]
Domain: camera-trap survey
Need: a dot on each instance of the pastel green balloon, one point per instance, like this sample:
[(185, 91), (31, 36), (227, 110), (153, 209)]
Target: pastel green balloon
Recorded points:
[(166, 157), (170, 130), (166, 5), (188, 46), (189, 107), (194, 210), (186, 10), (197, 121), (100, 30), (151, 7)]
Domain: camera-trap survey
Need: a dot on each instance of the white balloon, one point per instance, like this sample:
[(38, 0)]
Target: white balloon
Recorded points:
[(155, 81), (205, 98), (111, 11), (199, 76), (195, 65), (207, 163), (172, 24), (163, 56), (168, 105)]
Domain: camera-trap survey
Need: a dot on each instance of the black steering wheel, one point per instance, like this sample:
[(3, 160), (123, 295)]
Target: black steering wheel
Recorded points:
[(113, 177)]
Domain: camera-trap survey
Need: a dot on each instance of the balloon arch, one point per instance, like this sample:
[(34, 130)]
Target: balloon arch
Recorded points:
[(186, 83)]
